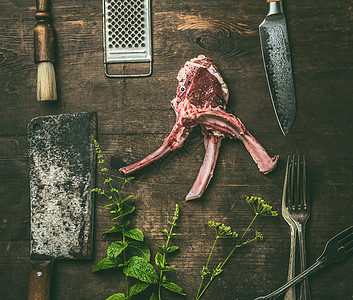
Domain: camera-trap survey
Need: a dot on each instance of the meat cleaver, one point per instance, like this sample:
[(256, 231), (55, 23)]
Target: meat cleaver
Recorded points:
[(62, 174), (278, 64)]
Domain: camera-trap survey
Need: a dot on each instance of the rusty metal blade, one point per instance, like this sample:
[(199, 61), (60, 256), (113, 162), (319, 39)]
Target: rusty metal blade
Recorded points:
[(278, 65), (62, 175)]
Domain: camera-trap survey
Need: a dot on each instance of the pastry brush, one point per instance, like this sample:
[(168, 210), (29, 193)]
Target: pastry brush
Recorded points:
[(44, 53)]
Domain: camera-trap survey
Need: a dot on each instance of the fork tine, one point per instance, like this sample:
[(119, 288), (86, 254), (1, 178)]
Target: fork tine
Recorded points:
[(349, 251), (348, 241), (344, 234), (286, 187), (299, 198), (291, 174), (295, 182), (305, 187)]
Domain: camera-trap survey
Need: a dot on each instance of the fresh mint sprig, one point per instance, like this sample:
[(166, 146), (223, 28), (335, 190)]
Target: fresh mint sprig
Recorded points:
[(129, 253), (260, 208), (126, 252)]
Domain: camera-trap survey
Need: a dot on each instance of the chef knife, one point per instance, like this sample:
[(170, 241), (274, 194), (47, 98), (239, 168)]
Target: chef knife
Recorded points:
[(62, 175), (278, 65)]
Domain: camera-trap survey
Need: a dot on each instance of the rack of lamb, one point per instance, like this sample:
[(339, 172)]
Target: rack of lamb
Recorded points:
[(201, 98)]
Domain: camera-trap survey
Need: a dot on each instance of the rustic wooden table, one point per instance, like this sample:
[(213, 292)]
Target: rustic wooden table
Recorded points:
[(134, 117)]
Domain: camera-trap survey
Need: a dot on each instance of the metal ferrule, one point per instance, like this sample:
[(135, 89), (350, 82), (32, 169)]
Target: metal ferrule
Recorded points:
[(274, 8), (44, 46)]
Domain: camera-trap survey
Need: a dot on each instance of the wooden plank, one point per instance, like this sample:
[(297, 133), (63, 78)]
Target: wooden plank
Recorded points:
[(134, 117)]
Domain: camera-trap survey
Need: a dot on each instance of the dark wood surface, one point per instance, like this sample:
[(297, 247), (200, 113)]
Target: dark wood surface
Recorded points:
[(134, 117)]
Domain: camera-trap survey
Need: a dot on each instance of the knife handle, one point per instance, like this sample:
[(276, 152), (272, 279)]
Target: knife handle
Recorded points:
[(39, 280)]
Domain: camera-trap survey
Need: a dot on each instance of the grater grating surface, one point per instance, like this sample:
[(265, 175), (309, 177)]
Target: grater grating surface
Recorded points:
[(127, 34)]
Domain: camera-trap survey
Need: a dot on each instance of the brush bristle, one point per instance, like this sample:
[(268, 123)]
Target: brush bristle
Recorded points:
[(46, 83)]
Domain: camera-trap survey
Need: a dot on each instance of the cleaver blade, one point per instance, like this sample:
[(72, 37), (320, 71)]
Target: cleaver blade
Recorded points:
[(278, 65), (62, 164)]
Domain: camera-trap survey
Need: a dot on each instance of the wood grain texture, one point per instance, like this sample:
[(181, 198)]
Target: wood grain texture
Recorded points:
[(134, 117)]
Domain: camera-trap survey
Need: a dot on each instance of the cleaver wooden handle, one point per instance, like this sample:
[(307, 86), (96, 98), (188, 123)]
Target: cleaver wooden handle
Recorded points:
[(39, 280)]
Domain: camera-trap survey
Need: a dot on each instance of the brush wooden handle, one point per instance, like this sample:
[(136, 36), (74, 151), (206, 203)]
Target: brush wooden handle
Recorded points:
[(39, 280), (44, 46)]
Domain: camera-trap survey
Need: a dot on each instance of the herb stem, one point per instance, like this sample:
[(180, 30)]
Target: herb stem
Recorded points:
[(126, 281), (205, 288), (240, 241), (221, 265), (112, 188), (163, 262), (206, 268)]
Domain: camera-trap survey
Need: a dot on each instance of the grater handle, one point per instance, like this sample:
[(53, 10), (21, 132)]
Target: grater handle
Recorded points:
[(106, 72)]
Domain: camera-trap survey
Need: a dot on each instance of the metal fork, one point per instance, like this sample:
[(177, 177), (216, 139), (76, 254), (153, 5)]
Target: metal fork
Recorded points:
[(337, 249), (299, 210), (290, 294)]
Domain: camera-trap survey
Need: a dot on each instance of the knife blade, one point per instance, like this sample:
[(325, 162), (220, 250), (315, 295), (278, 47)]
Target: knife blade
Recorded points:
[(278, 65), (62, 175)]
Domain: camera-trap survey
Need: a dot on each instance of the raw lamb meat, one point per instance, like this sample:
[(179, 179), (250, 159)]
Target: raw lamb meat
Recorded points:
[(201, 98)]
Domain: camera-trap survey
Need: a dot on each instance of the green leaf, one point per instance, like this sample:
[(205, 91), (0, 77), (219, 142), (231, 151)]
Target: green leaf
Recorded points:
[(173, 287), (162, 248), (138, 288), (153, 297), (162, 264), (125, 211), (168, 269), (115, 249), (134, 233), (166, 232), (125, 199), (119, 296), (115, 228), (128, 210), (106, 263), (139, 250), (110, 204), (159, 261), (176, 212), (172, 249), (141, 270)]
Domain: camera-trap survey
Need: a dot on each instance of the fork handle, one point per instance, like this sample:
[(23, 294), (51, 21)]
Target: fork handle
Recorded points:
[(320, 263), (304, 289), (290, 294)]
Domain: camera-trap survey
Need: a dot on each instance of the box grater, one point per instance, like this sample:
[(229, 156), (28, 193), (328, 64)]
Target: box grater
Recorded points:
[(127, 34)]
